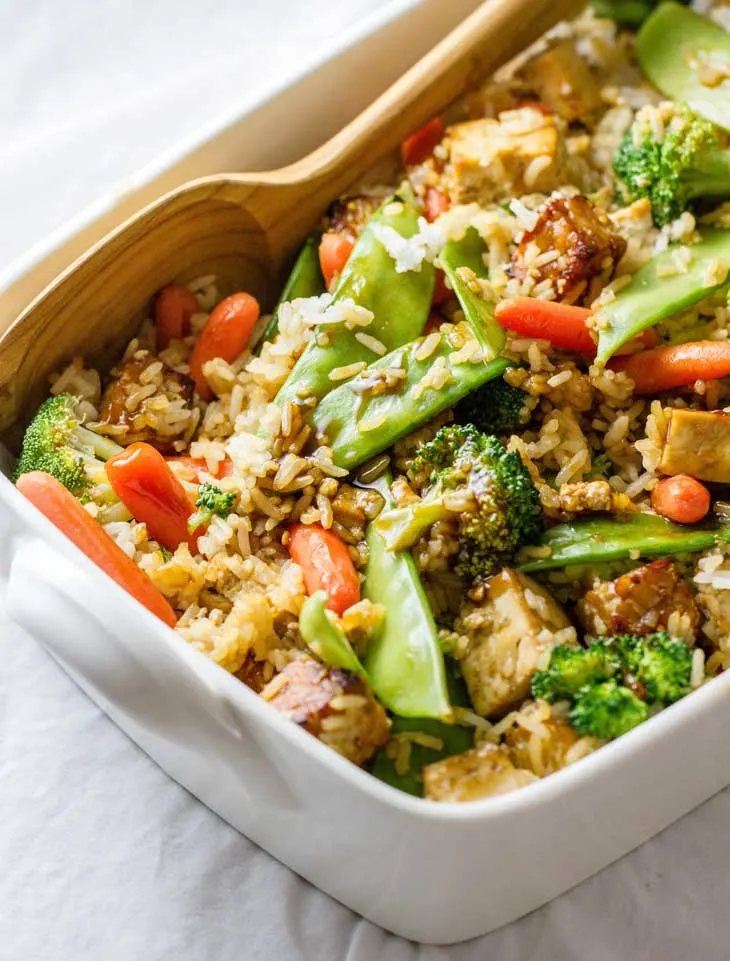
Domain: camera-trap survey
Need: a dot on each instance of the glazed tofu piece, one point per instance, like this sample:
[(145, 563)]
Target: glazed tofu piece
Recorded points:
[(562, 79), (697, 442), (651, 598), (520, 152), (148, 401), (483, 771), (333, 705), (573, 246), (510, 635)]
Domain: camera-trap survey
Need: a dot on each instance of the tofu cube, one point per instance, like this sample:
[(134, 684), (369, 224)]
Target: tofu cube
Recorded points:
[(481, 772), (510, 637), (563, 80), (697, 442)]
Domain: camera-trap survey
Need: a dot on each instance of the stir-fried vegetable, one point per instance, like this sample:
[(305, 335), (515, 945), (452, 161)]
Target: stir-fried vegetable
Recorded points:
[(56, 443), (305, 280), (593, 540), (143, 481), (565, 326), (681, 499), (326, 564), (628, 12), (360, 420), (495, 408), (400, 304), (660, 289), (685, 166), (226, 335), (477, 482), (463, 265), (686, 57), (325, 638), (677, 365), (420, 145), (68, 515), (404, 661), (174, 306), (334, 252), (211, 501), (610, 683)]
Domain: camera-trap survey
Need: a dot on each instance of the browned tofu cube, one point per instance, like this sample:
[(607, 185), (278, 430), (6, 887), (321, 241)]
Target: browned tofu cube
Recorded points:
[(562, 80), (333, 705), (148, 401), (697, 442), (481, 772), (651, 598), (573, 246), (544, 746), (510, 635), (490, 160)]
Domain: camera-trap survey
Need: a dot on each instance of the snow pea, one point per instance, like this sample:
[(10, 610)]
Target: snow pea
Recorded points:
[(594, 540), (672, 45), (404, 662), (654, 295), (325, 638), (342, 415), (479, 311), (305, 280), (454, 740), (400, 304)]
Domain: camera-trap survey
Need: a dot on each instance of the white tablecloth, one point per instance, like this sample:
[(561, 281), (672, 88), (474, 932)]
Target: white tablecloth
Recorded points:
[(102, 857)]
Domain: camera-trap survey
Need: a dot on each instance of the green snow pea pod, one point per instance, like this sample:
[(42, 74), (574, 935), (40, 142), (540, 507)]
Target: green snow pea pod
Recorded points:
[(463, 262), (325, 638), (594, 540), (672, 45), (359, 423), (454, 740), (404, 662), (400, 303), (656, 293), (305, 280)]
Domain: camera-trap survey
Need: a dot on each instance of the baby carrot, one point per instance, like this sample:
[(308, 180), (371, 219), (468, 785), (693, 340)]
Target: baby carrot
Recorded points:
[(564, 326), (144, 482), (681, 498), (226, 334), (334, 252), (326, 564), (174, 307), (62, 509), (420, 145), (667, 368)]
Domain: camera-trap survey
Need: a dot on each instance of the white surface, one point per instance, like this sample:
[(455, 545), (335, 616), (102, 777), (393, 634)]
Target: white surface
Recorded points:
[(102, 856)]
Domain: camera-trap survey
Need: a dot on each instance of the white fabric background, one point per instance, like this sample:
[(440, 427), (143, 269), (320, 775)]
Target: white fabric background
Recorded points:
[(102, 857)]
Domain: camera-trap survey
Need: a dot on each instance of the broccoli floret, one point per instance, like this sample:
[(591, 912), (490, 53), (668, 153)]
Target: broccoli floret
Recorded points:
[(628, 12), (211, 501), (572, 669), (660, 663), (607, 710), (501, 509), (495, 408), (686, 166), (55, 442)]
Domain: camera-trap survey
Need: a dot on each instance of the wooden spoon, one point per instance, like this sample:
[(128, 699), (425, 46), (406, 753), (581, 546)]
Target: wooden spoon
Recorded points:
[(243, 227)]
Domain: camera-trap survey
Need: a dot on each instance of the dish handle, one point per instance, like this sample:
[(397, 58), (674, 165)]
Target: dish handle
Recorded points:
[(115, 653)]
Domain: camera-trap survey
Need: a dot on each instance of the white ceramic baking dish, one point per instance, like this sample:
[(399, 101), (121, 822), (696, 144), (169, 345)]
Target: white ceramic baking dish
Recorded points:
[(434, 873)]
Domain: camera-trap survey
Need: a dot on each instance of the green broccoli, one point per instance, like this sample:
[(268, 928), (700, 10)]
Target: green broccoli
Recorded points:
[(55, 442), (571, 669), (607, 710), (630, 13), (658, 662), (685, 166), (495, 408), (612, 682), (211, 501), (501, 509)]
